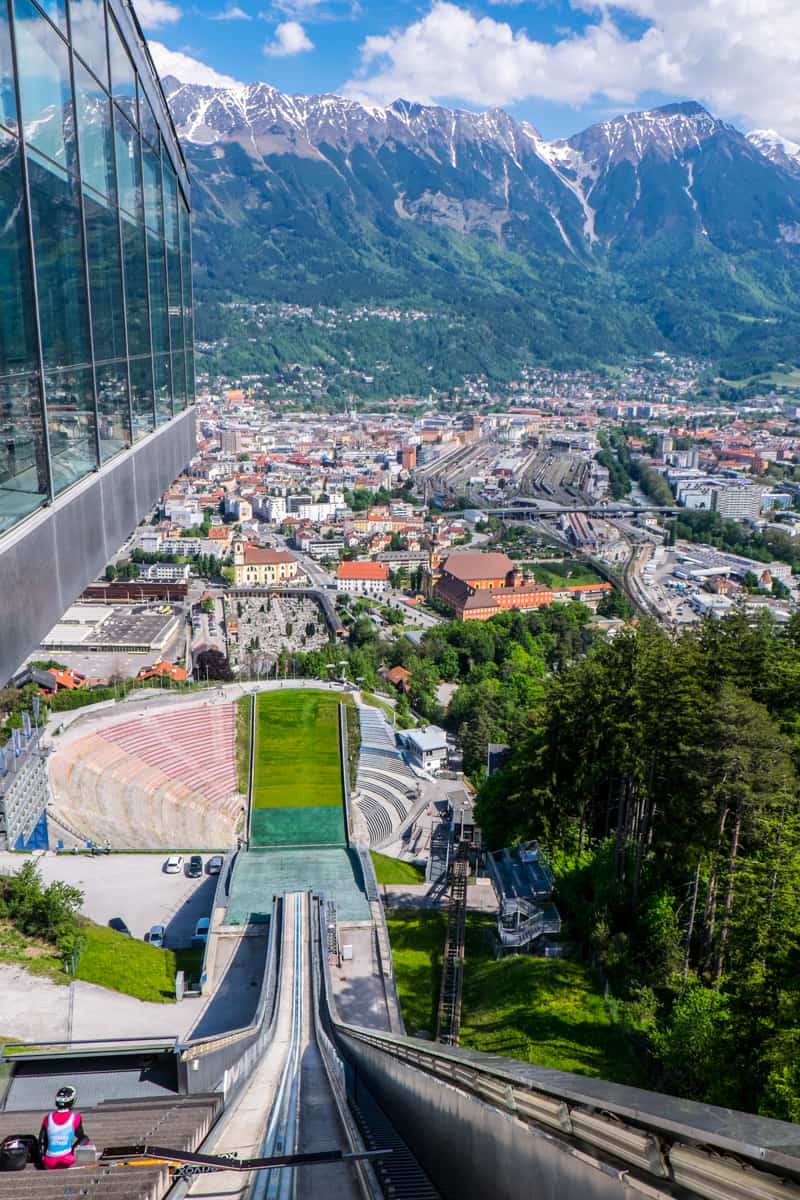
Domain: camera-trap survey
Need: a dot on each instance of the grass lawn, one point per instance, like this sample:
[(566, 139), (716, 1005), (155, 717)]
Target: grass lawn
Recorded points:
[(376, 702), (243, 742), (125, 964), (417, 938), (391, 870), (297, 750), (545, 1011), (110, 959), (567, 573)]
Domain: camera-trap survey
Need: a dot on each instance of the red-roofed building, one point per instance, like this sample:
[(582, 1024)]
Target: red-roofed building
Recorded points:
[(66, 679), (163, 670), (259, 566), (478, 586), (363, 578)]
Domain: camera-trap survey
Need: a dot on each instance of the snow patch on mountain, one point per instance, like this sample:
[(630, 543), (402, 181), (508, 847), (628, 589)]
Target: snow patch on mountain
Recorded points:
[(778, 149)]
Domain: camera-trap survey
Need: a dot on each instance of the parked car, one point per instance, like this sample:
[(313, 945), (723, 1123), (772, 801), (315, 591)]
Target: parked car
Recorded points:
[(156, 936), (201, 930), (214, 864), (174, 864), (195, 867), (119, 925)]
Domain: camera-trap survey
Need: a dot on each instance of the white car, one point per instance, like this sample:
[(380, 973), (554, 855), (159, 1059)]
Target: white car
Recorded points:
[(174, 864), (156, 936)]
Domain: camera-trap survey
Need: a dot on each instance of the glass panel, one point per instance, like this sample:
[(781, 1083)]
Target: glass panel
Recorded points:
[(56, 10), (23, 458), (94, 134), (105, 279), (163, 381), (17, 335), (88, 28), (123, 76), (70, 421), (63, 312), (129, 172), (179, 381), (186, 270), (158, 294), (113, 409), (153, 217), (44, 84), (133, 252), (147, 122), (190, 382), (173, 257), (8, 104), (142, 396)]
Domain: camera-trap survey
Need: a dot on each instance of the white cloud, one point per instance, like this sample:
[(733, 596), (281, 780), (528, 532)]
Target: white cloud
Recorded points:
[(297, 7), (154, 13), (290, 38), (232, 13), (740, 57), (187, 69)]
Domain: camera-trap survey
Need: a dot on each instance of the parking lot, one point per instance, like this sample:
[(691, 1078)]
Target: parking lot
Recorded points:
[(130, 887)]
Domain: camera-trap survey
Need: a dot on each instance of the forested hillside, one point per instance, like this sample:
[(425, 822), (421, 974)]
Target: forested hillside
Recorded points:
[(662, 776), (662, 230)]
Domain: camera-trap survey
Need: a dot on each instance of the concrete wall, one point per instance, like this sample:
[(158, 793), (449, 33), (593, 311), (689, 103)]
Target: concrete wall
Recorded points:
[(47, 561), (106, 793), (471, 1150)]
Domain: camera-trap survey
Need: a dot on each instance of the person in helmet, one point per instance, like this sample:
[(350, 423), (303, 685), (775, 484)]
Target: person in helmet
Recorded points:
[(62, 1130)]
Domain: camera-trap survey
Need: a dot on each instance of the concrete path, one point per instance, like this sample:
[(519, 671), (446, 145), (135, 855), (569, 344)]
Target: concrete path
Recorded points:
[(34, 1010), (358, 987)]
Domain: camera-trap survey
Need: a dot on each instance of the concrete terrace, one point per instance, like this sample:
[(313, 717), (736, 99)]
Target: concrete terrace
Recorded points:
[(156, 779), (386, 789)]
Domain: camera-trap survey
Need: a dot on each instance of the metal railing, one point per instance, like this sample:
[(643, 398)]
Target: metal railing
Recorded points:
[(710, 1152)]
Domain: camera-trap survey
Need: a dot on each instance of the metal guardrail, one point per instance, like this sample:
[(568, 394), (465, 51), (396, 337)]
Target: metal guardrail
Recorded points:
[(707, 1151), (225, 876), (226, 1060), (93, 1047)]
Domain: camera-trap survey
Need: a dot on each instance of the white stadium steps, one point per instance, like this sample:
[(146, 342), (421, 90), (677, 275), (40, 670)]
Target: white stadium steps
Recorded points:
[(386, 786)]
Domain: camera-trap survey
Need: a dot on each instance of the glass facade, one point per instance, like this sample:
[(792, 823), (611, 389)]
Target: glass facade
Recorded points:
[(96, 323)]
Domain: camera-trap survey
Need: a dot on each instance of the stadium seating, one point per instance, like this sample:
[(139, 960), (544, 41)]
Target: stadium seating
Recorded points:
[(386, 787), (164, 778)]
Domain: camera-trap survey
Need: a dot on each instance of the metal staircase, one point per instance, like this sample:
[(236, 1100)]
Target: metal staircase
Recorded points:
[(448, 1022)]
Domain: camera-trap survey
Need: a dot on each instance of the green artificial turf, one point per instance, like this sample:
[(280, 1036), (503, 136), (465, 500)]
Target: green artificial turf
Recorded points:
[(297, 750), (545, 1011), (391, 870)]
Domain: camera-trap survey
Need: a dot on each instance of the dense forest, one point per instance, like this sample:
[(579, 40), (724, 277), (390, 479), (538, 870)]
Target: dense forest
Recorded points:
[(661, 773)]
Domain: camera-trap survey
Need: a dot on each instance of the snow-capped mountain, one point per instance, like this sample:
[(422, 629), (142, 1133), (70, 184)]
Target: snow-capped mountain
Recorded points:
[(327, 198), (780, 150)]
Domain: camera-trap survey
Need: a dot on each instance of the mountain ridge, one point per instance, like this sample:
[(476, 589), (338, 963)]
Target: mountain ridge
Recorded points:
[(664, 228)]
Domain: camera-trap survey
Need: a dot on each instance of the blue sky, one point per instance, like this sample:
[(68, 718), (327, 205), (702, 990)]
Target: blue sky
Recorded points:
[(558, 63)]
